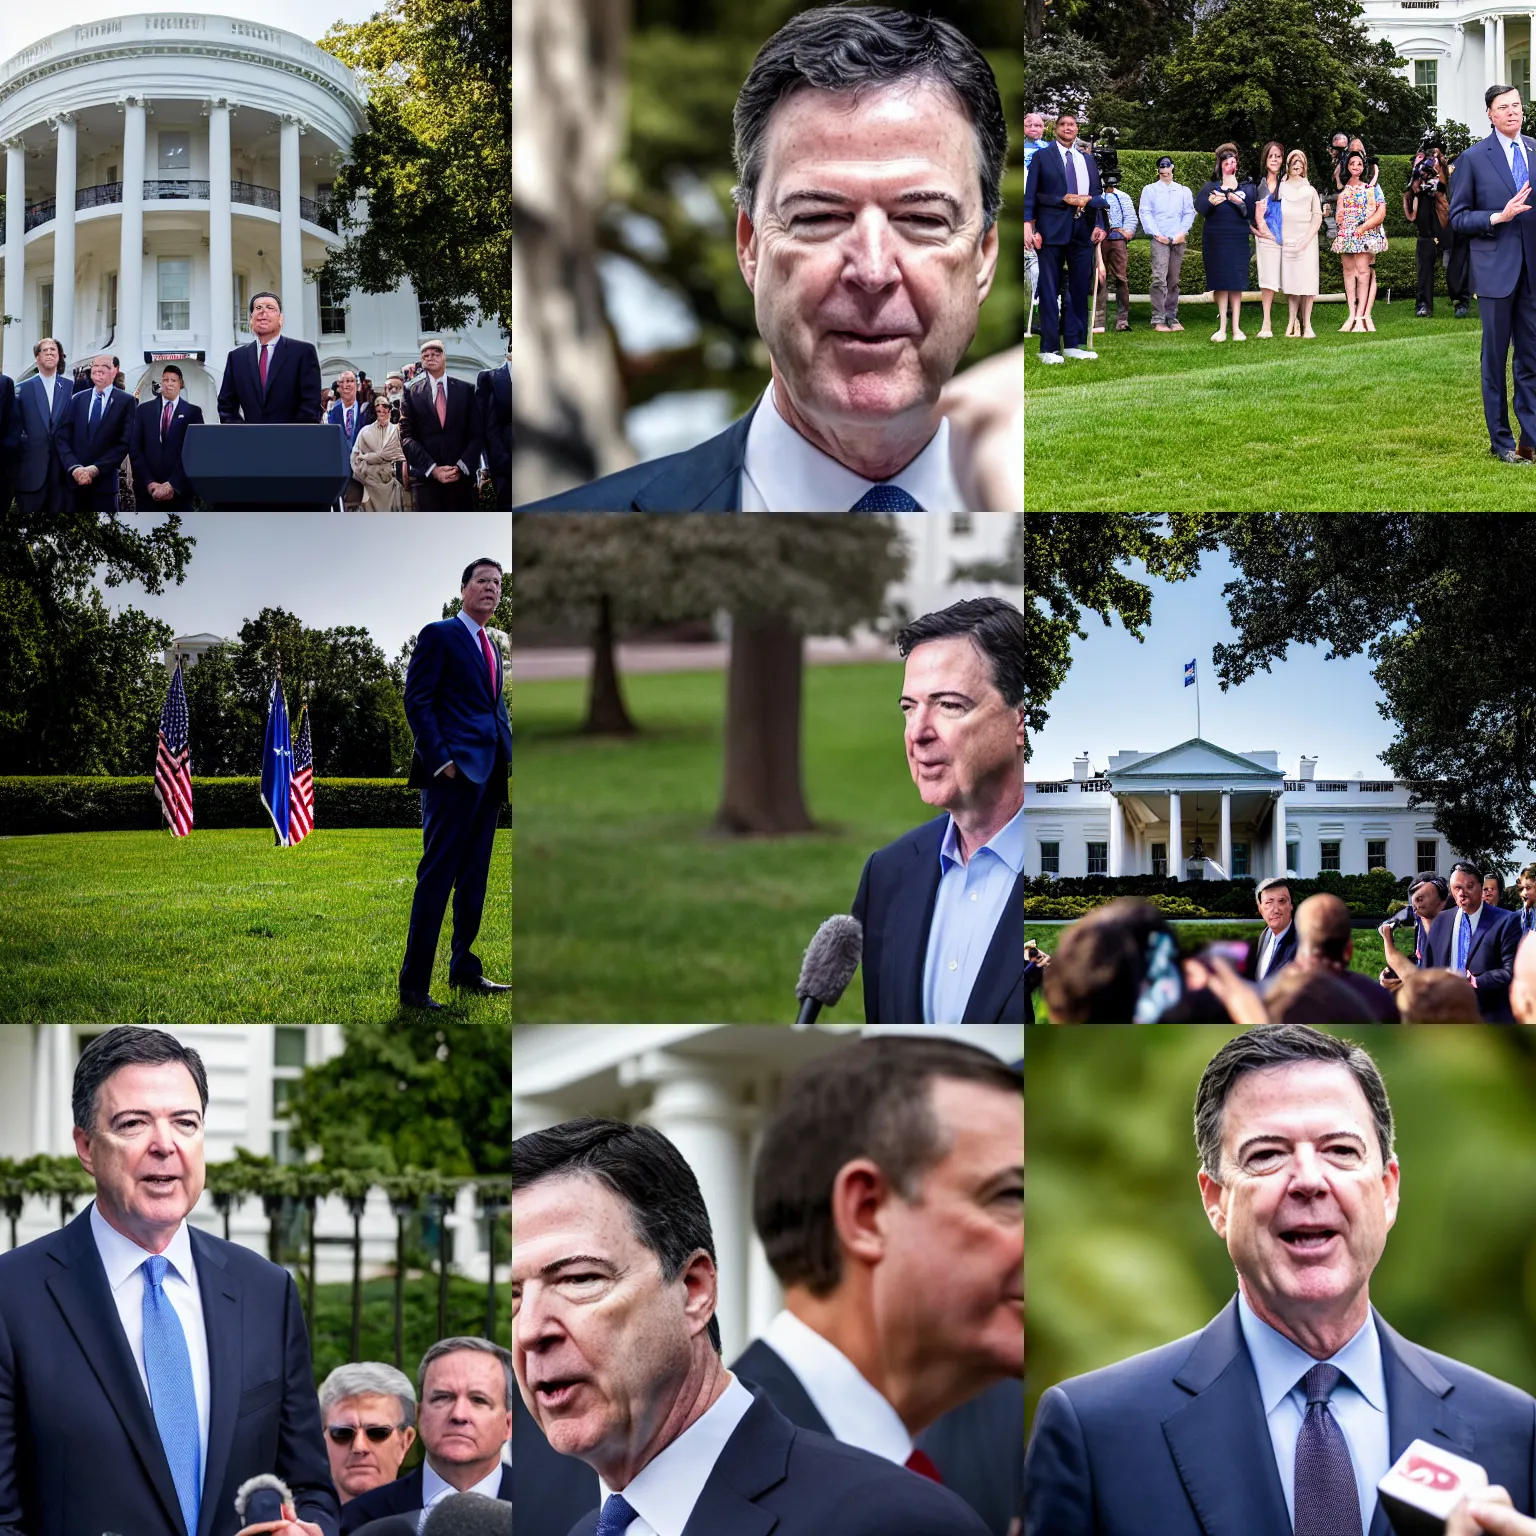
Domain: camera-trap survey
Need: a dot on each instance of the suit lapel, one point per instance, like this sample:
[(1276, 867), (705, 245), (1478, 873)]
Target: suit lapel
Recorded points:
[(753, 1460), (1002, 969), (905, 943), (222, 1296), (706, 479)]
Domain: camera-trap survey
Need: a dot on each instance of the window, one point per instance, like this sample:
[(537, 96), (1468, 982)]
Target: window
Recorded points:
[(1426, 854), (111, 300), (1098, 858), (175, 293), (242, 318), (1239, 861), (1521, 70), (1159, 858), (1050, 858), (1292, 857), (1376, 854), (111, 174), (1330, 857), (288, 1047), (45, 306), (961, 524), (175, 154), (426, 318), (333, 310), (1426, 75)]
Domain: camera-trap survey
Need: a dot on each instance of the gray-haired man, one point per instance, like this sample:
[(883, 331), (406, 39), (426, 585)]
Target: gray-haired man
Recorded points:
[(369, 1413)]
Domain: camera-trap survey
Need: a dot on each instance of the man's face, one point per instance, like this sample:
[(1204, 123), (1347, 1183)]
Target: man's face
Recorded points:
[(48, 357), (1426, 901), (1165, 173), (1491, 890), (962, 740), (103, 371), (481, 593), (865, 253), (145, 1150), (266, 319), (1066, 129), (1522, 990), (1506, 113), (434, 360), (346, 387), (1527, 884), (600, 1343), (465, 1416), (1340, 141), (1305, 1204), (1034, 125), (1275, 908), (366, 1464), (170, 385), (951, 1281), (1466, 891)]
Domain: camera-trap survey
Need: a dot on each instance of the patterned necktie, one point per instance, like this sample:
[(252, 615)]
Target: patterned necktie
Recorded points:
[(490, 660), (165, 420), (442, 403), (1327, 1496), (1463, 940), (1071, 172), (1522, 173), (922, 1463), (168, 1365), (263, 367), (885, 498), (615, 1518), (349, 423), (95, 413)]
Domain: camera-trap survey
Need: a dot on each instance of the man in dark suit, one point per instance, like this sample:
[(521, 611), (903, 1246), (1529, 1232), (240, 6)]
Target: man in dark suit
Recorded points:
[(873, 1346), (943, 906), (10, 440), (93, 437), (440, 432), (1277, 944), (869, 251), (42, 402), (349, 412), (493, 396), (550, 1492), (274, 378), (1288, 1408), (181, 1360), (457, 710), (617, 1353), (466, 1389), (1325, 942), (1489, 206), (155, 441), (1063, 221), (1477, 940)]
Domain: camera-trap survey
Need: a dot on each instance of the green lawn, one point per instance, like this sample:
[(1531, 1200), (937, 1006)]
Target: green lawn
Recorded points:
[(629, 909), (220, 927), (1346, 423)]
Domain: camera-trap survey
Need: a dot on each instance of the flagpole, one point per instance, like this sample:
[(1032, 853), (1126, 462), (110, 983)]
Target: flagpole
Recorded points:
[(1198, 731)]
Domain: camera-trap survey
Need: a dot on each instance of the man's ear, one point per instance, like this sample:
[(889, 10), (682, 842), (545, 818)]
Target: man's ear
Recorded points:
[(746, 248), (1214, 1197), (859, 1195), (986, 267)]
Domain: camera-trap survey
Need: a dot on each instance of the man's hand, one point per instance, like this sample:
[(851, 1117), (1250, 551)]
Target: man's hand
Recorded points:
[(446, 474), (161, 490), (1514, 207), (82, 476), (1385, 931), (1491, 1512), (1162, 239), (1178, 239), (1075, 199), (1097, 235), (292, 1526), (451, 772), (1039, 240)]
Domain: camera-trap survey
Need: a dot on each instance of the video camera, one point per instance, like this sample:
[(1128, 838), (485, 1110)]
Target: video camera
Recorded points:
[(1403, 918), (1101, 145), (1431, 141)]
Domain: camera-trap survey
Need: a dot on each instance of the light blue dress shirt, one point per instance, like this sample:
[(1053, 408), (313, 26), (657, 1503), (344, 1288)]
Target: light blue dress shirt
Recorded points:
[(966, 912), (1358, 1405)]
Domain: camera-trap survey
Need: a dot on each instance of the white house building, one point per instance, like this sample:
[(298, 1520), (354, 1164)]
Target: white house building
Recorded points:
[(1199, 811), (163, 168)]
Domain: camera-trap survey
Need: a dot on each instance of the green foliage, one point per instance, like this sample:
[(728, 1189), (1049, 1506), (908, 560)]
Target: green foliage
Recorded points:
[(418, 1090), (435, 161), (1064, 73)]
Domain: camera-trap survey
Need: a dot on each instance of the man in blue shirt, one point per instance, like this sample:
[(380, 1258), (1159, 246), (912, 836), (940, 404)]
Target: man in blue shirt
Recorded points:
[(1167, 212), (1114, 255), (1034, 133)]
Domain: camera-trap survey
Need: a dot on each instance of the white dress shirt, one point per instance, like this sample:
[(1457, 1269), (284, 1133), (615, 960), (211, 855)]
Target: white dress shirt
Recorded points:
[(123, 1260), (664, 1491), (434, 1490), (50, 382), (855, 1411), (1267, 947), (1080, 165), (784, 472)]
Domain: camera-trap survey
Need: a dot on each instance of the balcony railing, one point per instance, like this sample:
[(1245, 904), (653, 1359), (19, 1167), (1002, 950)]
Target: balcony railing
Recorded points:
[(1095, 786), (39, 213), (255, 197), (100, 196), (175, 191), (317, 211)]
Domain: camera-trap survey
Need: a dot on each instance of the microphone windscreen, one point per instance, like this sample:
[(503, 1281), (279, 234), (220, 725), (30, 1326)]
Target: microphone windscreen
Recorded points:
[(470, 1514), (831, 958), (261, 1498), (389, 1525)]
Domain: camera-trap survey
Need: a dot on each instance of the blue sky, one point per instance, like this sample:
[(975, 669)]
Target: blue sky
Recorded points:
[(23, 24)]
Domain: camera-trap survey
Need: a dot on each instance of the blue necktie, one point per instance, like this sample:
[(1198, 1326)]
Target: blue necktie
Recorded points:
[(615, 1518), (95, 412), (1522, 175), (168, 1365), (1463, 939), (1327, 1497), (885, 498)]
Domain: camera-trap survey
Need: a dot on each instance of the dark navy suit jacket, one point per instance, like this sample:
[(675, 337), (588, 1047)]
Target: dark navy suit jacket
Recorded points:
[(1283, 955), (155, 462), (774, 1477), (1490, 956), (106, 448), (977, 1447), (1056, 222), (895, 902), (79, 1450), (293, 384), (10, 437), (362, 416), (493, 397), (1175, 1441), (452, 711), (403, 1497), (38, 451), (550, 1492), (1480, 187)]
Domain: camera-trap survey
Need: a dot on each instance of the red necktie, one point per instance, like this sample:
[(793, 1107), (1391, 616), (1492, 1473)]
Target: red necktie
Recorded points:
[(442, 404), (490, 660), (263, 368), (922, 1463), (165, 420)]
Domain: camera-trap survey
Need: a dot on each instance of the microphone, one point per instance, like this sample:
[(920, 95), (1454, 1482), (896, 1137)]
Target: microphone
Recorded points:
[(469, 1514), (261, 1498), (1424, 1486), (831, 958)]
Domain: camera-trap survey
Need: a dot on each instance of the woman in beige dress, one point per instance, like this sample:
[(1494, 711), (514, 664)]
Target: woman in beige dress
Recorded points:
[(374, 457), (1266, 195), (1301, 219)]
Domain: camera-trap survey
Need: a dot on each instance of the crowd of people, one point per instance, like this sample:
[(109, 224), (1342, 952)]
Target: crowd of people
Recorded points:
[(1473, 959)]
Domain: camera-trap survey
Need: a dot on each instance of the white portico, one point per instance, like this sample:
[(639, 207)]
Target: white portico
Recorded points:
[(1199, 811)]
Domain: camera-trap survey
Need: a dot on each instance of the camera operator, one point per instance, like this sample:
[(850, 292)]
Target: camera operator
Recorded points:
[(1427, 897), (1426, 205), (1120, 214), (1338, 147)]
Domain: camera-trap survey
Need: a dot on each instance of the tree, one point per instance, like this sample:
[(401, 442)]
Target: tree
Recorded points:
[(432, 172), (1063, 74), (1007, 570), (1413, 591)]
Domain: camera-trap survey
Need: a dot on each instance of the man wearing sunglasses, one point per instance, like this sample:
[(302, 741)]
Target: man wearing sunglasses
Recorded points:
[(369, 1413)]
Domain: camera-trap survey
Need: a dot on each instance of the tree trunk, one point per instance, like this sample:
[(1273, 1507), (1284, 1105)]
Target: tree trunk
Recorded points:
[(606, 713), (763, 794), (1034, 22)]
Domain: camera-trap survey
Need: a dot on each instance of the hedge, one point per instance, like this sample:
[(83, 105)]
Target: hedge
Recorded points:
[(85, 803)]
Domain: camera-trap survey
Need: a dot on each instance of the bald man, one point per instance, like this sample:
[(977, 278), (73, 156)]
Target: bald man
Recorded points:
[(1522, 990), (1324, 943)]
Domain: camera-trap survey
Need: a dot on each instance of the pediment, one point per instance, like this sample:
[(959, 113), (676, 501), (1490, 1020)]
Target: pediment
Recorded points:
[(1195, 758)]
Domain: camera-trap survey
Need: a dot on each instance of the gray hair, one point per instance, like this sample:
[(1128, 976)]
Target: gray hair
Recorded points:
[(369, 1378), (466, 1341)]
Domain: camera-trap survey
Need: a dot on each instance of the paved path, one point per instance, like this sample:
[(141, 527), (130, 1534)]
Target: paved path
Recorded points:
[(576, 661)]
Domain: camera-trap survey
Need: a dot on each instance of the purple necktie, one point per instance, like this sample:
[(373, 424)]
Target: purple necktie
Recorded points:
[(1071, 172), (1327, 1496)]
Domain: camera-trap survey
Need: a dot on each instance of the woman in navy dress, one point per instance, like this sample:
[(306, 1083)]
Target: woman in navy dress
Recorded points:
[(1225, 202)]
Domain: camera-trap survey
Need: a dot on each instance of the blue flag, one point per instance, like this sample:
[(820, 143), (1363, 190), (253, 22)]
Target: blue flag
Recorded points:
[(1189, 674), (277, 764)]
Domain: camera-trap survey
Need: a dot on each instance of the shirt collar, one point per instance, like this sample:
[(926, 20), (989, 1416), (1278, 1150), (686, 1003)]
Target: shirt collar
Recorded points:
[(432, 1485), (469, 624), (1280, 1364), (664, 1491), (120, 1255), (1007, 843), (791, 474)]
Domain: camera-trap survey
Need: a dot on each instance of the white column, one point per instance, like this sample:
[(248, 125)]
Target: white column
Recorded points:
[(15, 255), (221, 244), (1116, 838), (765, 1296), (1501, 53), (130, 258), (1489, 58), (64, 239), (1226, 832), (1454, 90), (1279, 830), (1175, 835), (291, 245)]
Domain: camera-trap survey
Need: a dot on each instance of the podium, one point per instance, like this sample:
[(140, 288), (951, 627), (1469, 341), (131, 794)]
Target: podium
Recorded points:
[(260, 467)]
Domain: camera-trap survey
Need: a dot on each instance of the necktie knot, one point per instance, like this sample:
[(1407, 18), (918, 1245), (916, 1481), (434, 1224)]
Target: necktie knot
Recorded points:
[(885, 498), (155, 1267), (615, 1517), (1319, 1383)]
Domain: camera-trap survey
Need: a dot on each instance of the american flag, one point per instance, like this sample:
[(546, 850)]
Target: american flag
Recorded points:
[(301, 787), (173, 766)]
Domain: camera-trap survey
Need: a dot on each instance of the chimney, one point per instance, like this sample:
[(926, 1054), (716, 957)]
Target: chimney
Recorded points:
[(1080, 769), (1307, 768)]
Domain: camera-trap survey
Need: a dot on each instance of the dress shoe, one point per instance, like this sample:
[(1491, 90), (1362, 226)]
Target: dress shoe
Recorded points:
[(417, 1000), (1421, 312), (1461, 311), (1508, 456), (1526, 451), (478, 984), (1052, 357)]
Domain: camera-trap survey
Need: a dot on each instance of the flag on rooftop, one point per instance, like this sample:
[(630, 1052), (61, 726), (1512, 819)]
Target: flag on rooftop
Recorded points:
[(277, 763), (301, 788), (173, 765), (1189, 674)]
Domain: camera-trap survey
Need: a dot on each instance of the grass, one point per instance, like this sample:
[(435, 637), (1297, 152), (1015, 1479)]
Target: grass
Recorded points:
[(220, 927), (1345, 423), (630, 910)]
